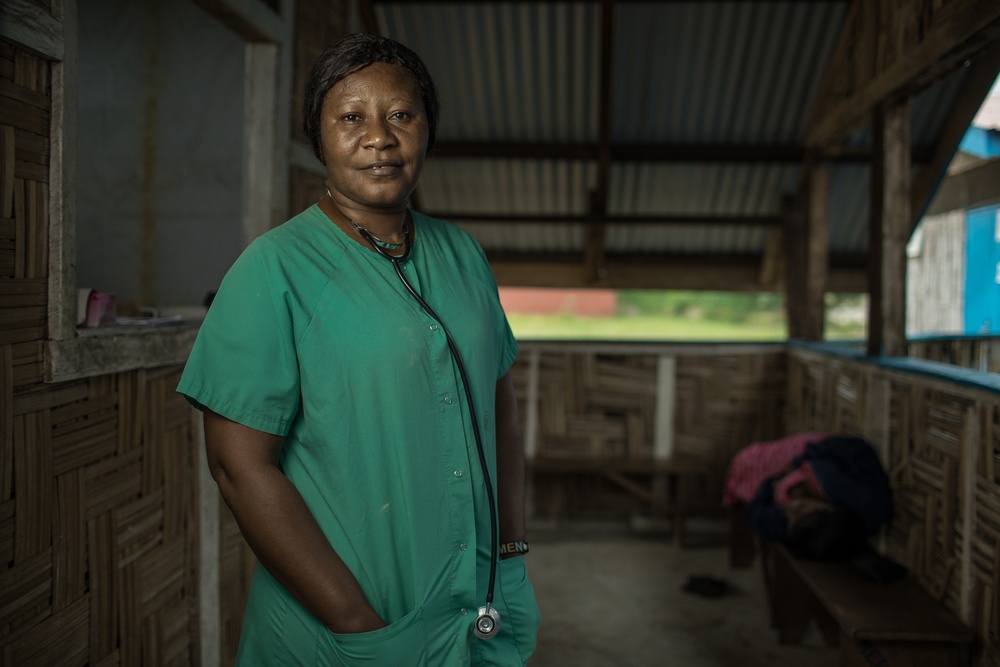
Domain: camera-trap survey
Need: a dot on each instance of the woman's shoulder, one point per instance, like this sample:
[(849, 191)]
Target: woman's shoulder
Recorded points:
[(302, 227), (305, 235)]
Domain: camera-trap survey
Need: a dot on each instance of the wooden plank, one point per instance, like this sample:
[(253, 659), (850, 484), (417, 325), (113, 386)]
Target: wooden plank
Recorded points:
[(969, 457), (817, 249), (7, 158), (896, 611), (652, 499), (977, 82), (895, 226), (33, 474), (23, 22), (900, 64), (675, 464)]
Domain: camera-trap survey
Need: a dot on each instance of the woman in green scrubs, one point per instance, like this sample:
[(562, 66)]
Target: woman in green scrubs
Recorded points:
[(337, 421)]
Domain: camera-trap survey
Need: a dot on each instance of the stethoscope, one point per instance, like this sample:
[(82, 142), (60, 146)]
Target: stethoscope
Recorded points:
[(488, 621)]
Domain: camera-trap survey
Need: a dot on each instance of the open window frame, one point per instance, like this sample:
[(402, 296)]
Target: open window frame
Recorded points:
[(72, 352)]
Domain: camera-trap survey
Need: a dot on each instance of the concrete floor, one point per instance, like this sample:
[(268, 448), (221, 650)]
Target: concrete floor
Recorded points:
[(612, 598)]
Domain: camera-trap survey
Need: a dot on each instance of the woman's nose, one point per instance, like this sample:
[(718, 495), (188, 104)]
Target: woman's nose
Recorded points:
[(379, 134)]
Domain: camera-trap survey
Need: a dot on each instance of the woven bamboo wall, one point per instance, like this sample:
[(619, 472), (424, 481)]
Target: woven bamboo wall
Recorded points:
[(941, 444), (601, 401), (97, 541), (980, 353)]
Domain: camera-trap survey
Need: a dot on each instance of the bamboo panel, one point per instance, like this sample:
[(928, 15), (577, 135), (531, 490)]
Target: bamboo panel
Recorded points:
[(98, 530), (727, 402), (139, 527), (70, 553), (7, 530), (980, 353), (944, 442), (6, 421), (32, 470), (596, 404), (62, 639), (236, 563), (27, 585), (25, 368)]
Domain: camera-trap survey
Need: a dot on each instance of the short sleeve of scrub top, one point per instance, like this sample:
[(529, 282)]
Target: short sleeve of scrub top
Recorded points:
[(244, 364)]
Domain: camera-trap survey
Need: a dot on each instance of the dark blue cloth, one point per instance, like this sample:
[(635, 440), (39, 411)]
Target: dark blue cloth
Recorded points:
[(851, 476)]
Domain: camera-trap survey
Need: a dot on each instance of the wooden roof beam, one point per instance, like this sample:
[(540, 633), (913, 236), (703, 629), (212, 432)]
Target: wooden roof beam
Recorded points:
[(737, 273), (588, 2), (596, 239), (978, 81), (718, 153), (609, 219), (874, 62)]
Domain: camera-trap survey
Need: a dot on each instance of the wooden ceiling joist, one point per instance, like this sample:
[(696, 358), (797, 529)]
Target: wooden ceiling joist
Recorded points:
[(875, 61), (688, 153), (657, 271), (590, 2), (979, 79), (609, 219)]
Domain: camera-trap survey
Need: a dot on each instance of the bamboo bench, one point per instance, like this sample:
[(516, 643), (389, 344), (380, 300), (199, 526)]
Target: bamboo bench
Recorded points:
[(677, 472), (896, 623)]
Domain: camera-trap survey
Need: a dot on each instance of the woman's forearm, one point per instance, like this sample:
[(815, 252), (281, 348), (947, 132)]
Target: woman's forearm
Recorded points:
[(280, 529), (510, 464)]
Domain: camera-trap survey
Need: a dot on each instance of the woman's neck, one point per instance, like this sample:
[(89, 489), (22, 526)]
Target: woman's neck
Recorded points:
[(387, 227)]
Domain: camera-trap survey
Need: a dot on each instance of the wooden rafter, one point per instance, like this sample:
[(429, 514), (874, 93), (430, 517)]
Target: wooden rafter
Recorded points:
[(680, 153), (657, 271), (892, 49), (608, 219), (978, 80), (596, 238)]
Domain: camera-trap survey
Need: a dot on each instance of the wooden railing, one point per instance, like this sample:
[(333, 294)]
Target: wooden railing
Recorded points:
[(937, 428)]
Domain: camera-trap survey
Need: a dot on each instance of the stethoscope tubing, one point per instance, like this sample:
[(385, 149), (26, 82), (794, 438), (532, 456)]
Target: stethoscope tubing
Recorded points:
[(494, 536)]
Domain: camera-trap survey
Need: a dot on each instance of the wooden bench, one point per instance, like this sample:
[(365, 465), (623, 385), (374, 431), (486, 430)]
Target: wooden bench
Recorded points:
[(896, 623), (676, 472)]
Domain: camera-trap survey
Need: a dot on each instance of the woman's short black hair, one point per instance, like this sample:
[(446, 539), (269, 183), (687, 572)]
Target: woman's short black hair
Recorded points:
[(350, 54)]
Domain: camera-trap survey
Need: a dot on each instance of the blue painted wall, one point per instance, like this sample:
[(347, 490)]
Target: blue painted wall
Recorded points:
[(981, 142), (982, 271)]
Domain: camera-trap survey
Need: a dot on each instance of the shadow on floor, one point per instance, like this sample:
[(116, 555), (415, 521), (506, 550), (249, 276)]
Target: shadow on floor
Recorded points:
[(612, 598)]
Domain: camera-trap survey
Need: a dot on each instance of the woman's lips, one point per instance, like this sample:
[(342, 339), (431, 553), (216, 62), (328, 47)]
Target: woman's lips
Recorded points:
[(384, 168)]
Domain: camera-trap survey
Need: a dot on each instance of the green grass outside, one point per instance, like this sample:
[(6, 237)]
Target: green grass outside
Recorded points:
[(654, 328)]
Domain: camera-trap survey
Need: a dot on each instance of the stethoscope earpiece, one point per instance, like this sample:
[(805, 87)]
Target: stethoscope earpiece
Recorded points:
[(487, 623)]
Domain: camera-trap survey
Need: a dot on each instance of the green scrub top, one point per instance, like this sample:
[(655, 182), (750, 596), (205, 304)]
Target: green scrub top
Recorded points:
[(312, 336)]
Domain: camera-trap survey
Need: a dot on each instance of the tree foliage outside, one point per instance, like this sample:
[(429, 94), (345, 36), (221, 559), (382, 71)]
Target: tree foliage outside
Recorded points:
[(692, 316)]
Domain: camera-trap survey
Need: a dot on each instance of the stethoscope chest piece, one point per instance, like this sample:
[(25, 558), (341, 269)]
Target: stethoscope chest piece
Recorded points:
[(487, 623)]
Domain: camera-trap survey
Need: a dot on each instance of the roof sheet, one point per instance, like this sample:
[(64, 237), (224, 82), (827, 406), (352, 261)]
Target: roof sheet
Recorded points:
[(707, 73)]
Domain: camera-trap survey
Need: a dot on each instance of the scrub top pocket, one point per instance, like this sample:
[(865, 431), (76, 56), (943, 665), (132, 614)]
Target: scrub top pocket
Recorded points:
[(401, 644)]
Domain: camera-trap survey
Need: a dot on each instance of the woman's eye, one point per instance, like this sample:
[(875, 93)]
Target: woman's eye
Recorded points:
[(352, 118), (400, 115)]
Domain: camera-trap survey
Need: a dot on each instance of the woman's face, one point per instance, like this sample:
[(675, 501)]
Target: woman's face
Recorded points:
[(374, 133)]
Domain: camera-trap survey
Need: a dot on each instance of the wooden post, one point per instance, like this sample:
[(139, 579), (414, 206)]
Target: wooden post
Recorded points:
[(817, 246), (876, 208), (794, 265), (889, 226)]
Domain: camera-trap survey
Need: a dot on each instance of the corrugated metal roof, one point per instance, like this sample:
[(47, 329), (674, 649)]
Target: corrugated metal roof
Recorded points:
[(712, 73)]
